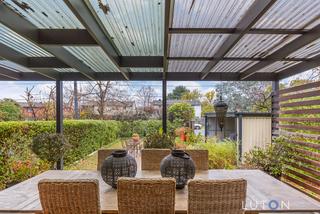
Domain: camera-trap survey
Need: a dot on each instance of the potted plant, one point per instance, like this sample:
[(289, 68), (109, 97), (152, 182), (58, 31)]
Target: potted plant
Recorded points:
[(50, 147), (157, 145)]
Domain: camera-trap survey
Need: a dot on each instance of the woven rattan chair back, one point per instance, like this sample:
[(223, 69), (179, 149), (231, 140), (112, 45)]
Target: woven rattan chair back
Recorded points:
[(146, 196), (69, 196), (216, 196)]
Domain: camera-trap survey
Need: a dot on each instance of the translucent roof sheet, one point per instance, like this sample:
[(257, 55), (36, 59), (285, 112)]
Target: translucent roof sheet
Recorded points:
[(20, 44), (278, 66), (146, 69), (291, 14), (259, 45), (68, 70), (14, 67), (196, 45), (186, 66), (94, 57), (135, 26), (307, 51), (209, 13), (46, 13), (232, 66)]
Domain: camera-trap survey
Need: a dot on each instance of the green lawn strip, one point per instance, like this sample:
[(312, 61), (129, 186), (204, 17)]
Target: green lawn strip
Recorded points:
[(90, 162)]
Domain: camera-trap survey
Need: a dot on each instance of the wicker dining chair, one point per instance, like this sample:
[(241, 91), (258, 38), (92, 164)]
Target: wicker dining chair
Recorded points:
[(69, 196), (146, 196), (216, 196)]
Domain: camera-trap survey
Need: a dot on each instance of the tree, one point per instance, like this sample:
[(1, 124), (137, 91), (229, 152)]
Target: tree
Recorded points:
[(48, 102), (207, 102), (206, 107), (29, 98), (177, 92), (191, 95), (9, 110), (246, 96), (181, 112), (145, 96), (210, 95), (100, 92)]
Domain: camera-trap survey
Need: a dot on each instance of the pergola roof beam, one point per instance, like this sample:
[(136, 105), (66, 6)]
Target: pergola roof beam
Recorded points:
[(30, 32), (82, 12), (81, 37), (45, 62), (147, 76), (168, 17), (283, 52), (66, 37), (299, 68), (9, 74), (254, 13), (237, 59), (141, 61), (18, 58), (236, 31)]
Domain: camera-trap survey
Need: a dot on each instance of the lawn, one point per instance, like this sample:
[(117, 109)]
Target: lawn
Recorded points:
[(90, 162)]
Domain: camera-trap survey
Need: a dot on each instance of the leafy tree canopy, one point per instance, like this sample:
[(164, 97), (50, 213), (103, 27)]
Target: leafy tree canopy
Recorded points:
[(246, 96), (177, 92), (181, 112), (9, 110), (191, 95)]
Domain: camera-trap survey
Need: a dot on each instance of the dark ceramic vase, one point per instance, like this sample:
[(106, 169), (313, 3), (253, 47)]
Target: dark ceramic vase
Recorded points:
[(178, 165), (118, 164)]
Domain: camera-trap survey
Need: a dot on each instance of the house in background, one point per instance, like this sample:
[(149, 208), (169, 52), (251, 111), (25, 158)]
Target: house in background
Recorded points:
[(37, 111), (113, 108)]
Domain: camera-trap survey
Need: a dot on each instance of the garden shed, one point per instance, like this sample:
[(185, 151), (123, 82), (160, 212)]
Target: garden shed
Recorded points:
[(248, 129)]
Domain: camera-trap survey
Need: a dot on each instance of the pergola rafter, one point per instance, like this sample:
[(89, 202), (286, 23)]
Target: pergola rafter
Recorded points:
[(29, 31), (296, 69), (21, 59), (82, 12), (257, 10), (283, 52), (7, 73)]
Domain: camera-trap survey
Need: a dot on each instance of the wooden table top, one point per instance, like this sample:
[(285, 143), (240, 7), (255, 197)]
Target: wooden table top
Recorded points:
[(262, 189)]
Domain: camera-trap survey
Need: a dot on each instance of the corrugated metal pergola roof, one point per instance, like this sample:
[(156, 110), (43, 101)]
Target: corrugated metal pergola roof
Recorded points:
[(158, 39)]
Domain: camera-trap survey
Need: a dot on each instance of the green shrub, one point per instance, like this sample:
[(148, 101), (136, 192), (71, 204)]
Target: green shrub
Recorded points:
[(222, 155), (270, 159), (181, 113), (17, 162), (159, 140), (50, 147)]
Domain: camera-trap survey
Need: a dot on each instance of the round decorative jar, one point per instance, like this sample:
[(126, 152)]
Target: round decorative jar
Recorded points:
[(178, 165), (118, 164)]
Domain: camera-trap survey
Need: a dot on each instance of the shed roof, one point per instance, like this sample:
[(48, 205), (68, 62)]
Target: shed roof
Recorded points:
[(158, 39)]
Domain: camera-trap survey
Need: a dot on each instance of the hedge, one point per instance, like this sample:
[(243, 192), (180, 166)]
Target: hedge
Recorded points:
[(85, 136), (141, 127), (18, 163)]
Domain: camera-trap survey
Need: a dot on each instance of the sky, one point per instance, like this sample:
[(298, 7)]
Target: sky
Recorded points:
[(15, 89)]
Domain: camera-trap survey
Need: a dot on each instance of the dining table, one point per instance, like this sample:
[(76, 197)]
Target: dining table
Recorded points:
[(265, 194)]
